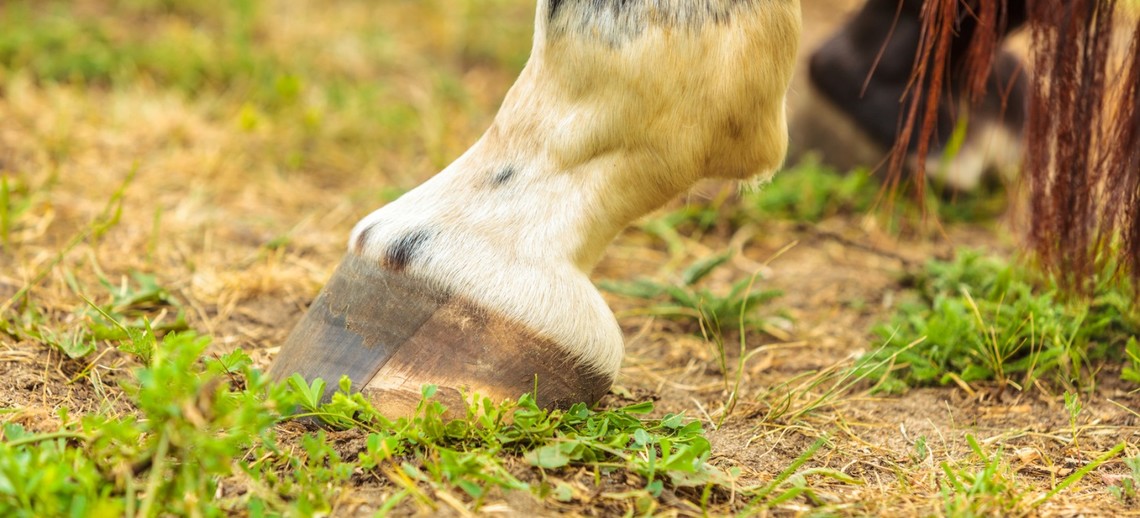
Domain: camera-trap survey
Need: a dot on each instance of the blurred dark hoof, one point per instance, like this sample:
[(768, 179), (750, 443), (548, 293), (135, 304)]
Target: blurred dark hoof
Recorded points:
[(825, 132), (818, 128)]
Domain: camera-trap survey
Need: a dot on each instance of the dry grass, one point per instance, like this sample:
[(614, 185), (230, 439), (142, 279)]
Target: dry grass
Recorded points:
[(239, 202)]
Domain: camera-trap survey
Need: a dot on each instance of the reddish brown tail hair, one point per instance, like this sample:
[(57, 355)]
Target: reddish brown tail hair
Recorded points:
[(1082, 149)]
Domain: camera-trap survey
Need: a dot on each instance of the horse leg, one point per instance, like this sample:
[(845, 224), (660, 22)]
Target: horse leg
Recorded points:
[(863, 74), (477, 280)]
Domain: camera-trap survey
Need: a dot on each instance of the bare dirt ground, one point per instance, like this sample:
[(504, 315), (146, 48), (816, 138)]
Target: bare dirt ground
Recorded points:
[(246, 242)]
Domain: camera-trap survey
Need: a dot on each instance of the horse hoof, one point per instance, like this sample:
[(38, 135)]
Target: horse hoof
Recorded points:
[(391, 333), (822, 130)]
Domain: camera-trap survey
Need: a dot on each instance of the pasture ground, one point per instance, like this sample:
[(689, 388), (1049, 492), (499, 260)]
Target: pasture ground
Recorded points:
[(225, 154)]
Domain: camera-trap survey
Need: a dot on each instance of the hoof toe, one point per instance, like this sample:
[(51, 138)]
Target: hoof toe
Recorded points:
[(392, 333)]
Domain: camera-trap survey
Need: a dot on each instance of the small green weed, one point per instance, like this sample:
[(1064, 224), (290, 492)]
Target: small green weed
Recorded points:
[(795, 481), (130, 307), (1131, 370), (1129, 489), (19, 199), (921, 450), (10, 208), (706, 311), (811, 192), (996, 490), (1073, 407), (135, 313), (32, 322), (983, 318)]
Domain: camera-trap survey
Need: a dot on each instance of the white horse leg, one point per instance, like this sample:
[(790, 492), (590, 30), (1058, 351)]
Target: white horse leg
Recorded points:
[(478, 279)]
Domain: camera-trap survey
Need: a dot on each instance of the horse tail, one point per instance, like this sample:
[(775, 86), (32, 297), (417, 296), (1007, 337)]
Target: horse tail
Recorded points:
[(1082, 159)]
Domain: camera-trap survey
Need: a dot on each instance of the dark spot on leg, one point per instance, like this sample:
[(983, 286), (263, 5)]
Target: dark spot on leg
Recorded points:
[(358, 246), (503, 176), (405, 249)]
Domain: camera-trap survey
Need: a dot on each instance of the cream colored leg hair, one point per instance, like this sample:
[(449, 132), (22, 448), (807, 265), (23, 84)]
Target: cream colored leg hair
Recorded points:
[(622, 106)]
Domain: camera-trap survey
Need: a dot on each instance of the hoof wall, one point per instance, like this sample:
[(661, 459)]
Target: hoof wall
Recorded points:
[(392, 333)]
